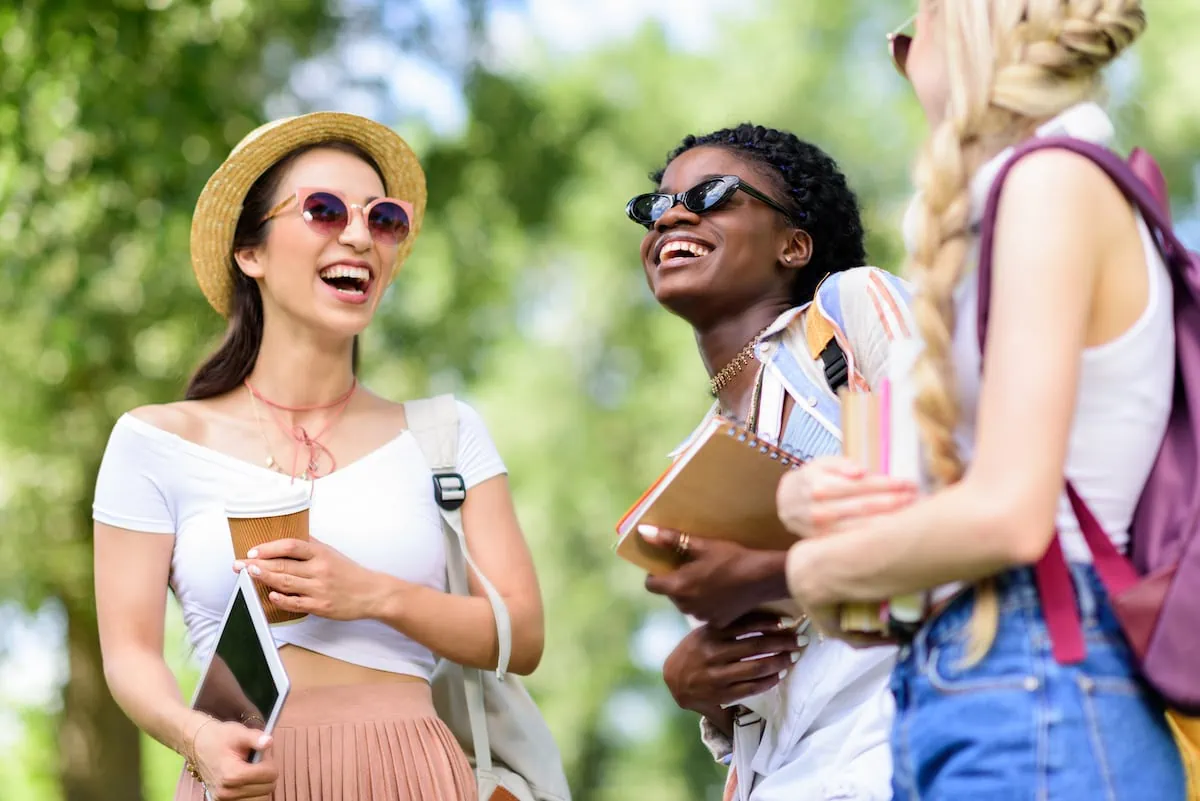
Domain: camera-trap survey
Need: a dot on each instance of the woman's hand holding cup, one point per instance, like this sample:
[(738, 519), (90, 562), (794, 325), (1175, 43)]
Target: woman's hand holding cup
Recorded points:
[(308, 577)]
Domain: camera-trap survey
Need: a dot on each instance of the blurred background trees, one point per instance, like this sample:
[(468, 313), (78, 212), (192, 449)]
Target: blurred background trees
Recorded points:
[(524, 295)]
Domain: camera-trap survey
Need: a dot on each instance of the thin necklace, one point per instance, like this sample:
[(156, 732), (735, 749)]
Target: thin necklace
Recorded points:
[(750, 422), (299, 435), (738, 363), (752, 417), (271, 463)]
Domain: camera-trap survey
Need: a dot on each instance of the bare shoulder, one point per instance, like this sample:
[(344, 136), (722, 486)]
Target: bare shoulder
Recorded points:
[(1059, 210), (387, 414), (1063, 187), (186, 419)]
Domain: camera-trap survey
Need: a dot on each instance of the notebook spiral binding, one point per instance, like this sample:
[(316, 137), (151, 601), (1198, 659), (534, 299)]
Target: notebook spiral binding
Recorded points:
[(786, 457)]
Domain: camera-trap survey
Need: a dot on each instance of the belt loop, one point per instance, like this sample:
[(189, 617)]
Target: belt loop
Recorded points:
[(1085, 593)]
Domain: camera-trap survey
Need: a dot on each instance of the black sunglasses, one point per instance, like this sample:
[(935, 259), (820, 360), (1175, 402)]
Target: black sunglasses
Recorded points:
[(703, 197)]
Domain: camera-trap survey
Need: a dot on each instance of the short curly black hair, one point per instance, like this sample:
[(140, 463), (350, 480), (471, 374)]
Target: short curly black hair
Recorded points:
[(813, 188)]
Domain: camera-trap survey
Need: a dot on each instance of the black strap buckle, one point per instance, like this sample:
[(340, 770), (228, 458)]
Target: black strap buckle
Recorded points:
[(450, 490), (903, 631), (837, 373)]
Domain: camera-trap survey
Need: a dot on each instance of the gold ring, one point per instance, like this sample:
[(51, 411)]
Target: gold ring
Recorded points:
[(681, 547)]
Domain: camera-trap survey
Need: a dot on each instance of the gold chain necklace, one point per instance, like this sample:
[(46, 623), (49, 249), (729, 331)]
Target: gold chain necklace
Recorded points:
[(271, 463), (738, 363)]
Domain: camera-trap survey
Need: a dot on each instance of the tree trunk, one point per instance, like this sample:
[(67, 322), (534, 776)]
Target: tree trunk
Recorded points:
[(100, 749)]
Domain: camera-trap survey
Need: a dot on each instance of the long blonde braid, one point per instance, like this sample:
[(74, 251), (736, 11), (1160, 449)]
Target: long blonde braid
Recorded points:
[(1012, 64)]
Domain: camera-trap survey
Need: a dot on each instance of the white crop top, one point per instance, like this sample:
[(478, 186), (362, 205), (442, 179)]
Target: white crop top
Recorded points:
[(378, 511)]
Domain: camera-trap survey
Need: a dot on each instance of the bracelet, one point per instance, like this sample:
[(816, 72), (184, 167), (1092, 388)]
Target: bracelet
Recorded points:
[(190, 750), (189, 756)]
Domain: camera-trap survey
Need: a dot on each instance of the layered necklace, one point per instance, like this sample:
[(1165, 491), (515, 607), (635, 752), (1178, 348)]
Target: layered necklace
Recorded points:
[(735, 366), (303, 443), (733, 369)]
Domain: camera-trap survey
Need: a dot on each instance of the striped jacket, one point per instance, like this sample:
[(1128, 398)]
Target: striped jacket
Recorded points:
[(865, 310), (824, 732)]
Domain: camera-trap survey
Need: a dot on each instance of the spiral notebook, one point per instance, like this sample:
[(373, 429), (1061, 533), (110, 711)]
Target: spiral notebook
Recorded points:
[(721, 487)]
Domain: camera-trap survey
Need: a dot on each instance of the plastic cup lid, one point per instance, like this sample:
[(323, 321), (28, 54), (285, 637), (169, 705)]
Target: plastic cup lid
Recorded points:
[(275, 502)]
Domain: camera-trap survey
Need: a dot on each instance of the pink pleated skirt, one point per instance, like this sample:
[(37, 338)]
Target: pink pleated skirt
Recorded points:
[(375, 742)]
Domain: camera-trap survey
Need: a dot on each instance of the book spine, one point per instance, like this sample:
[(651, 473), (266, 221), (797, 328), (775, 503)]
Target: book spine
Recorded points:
[(860, 447), (905, 450)]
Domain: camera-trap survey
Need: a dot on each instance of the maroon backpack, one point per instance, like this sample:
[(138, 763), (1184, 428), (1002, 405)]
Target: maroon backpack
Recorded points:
[(1156, 596)]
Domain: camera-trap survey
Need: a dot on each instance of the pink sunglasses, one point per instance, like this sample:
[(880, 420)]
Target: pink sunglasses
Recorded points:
[(899, 44), (327, 212)]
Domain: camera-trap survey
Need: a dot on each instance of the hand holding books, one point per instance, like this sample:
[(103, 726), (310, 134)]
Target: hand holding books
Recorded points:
[(832, 493), (879, 433), (720, 493), (878, 473), (712, 668), (718, 581)]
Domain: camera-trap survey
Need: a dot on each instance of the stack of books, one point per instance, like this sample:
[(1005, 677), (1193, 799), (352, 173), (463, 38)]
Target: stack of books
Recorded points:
[(879, 433), (723, 486)]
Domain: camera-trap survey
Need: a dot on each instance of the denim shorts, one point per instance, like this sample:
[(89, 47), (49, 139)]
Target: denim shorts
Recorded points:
[(1017, 726)]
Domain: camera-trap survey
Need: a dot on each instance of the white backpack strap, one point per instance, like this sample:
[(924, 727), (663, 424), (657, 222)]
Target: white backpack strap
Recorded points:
[(434, 423)]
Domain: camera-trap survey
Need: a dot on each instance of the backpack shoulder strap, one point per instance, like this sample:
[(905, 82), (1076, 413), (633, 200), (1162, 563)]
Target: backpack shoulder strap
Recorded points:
[(434, 424), (1134, 188), (1051, 572), (823, 345), (837, 372)]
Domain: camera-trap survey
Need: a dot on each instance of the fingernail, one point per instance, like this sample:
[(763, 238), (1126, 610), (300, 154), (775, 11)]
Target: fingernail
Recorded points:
[(796, 656), (252, 553), (264, 741), (648, 531), (238, 567), (802, 640), (804, 624), (787, 622), (255, 570), (782, 675)]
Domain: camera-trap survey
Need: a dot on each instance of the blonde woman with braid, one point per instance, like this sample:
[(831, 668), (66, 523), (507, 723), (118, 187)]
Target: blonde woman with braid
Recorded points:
[(1076, 383)]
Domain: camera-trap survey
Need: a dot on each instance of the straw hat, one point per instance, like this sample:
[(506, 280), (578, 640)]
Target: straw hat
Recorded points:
[(220, 202)]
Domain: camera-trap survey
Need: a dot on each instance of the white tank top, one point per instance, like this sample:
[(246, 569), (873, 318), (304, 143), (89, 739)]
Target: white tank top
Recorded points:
[(1125, 385)]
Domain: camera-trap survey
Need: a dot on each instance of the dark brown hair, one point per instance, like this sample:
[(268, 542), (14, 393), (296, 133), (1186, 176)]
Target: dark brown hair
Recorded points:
[(233, 360)]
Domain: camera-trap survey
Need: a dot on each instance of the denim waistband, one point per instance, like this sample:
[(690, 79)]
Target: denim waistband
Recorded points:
[(1017, 594)]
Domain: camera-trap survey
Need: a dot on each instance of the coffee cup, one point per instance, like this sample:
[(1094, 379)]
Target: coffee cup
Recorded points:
[(262, 517)]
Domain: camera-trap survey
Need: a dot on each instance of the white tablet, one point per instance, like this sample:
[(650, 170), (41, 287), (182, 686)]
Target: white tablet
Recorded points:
[(243, 679)]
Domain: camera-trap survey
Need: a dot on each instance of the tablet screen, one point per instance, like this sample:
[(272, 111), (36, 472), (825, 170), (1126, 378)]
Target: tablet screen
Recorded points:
[(238, 685)]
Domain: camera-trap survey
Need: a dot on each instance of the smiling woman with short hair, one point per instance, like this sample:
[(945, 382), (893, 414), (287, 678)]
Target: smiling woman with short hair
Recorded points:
[(754, 238)]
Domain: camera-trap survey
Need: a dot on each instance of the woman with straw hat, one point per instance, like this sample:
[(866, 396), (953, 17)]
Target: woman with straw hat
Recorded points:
[(294, 240)]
